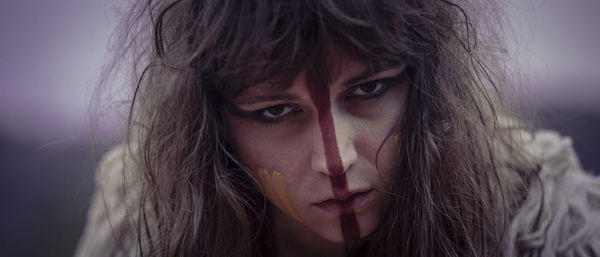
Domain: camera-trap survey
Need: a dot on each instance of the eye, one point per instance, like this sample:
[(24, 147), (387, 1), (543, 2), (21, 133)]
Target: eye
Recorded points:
[(369, 89), (372, 89), (276, 112)]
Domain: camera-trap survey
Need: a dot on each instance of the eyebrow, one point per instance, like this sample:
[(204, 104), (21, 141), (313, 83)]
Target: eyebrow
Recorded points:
[(282, 96)]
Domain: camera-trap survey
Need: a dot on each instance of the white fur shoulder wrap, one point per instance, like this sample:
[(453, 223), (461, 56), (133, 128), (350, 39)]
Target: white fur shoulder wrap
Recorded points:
[(561, 214)]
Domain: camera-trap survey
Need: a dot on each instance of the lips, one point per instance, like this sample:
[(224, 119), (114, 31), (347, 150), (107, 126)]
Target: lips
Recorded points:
[(353, 202)]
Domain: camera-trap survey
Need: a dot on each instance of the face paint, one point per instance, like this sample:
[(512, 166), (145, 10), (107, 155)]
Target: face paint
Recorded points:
[(276, 190), (397, 139), (320, 96)]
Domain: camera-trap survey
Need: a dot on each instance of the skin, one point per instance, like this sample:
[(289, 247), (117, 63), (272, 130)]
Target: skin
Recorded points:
[(308, 145), (275, 188)]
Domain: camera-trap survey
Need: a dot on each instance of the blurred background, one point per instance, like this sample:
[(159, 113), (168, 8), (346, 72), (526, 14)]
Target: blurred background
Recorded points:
[(51, 56)]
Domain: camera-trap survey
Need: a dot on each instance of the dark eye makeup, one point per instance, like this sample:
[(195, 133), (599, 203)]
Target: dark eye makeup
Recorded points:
[(276, 113), (371, 89), (268, 115), (363, 91)]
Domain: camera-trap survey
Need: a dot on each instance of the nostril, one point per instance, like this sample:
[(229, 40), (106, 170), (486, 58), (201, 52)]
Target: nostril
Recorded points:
[(319, 163), (349, 156)]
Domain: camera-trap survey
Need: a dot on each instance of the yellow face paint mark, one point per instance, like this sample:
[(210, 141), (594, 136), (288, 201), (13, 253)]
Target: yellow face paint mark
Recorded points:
[(397, 138), (276, 190)]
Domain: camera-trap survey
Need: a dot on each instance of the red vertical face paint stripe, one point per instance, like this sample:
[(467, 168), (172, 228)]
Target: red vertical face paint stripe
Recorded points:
[(339, 185), (320, 96), (350, 230)]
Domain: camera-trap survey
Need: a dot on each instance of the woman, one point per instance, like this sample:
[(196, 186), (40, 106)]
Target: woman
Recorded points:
[(331, 128)]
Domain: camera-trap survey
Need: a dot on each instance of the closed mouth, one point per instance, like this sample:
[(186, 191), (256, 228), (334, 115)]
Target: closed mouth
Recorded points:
[(353, 202)]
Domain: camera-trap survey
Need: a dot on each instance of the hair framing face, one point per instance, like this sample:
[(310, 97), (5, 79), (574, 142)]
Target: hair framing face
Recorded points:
[(204, 49)]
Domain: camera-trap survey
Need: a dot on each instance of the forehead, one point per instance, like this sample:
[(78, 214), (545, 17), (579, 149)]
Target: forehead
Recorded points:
[(333, 73)]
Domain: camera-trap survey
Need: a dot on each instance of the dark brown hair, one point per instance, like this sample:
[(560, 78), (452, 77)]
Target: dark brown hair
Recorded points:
[(450, 194)]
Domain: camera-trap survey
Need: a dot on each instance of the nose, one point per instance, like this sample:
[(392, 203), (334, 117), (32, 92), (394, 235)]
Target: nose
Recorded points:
[(334, 151)]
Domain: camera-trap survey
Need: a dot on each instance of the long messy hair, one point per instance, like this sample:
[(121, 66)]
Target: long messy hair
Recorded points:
[(448, 196)]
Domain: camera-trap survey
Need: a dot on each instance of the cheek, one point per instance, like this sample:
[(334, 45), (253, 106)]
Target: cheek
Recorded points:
[(379, 159), (270, 160), (276, 190), (251, 143), (377, 144), (263, 145), (390, 120)]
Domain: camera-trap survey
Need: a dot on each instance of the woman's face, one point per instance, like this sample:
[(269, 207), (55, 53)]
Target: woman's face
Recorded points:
[(313, 146)]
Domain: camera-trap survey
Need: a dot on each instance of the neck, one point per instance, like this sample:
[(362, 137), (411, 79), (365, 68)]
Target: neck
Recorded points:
[(294, 239)]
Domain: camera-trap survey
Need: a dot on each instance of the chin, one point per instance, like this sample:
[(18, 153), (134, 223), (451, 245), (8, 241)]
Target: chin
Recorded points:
[(367, 225)]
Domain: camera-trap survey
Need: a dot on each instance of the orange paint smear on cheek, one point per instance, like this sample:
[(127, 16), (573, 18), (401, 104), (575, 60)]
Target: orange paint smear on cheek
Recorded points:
[(276, 190), (397, 139)]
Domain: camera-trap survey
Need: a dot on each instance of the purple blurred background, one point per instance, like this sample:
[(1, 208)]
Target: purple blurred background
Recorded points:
[(52, 53)]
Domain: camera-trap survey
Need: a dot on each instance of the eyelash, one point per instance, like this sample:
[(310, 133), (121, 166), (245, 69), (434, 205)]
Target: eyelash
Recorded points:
[(259, 114), (386, 83)]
